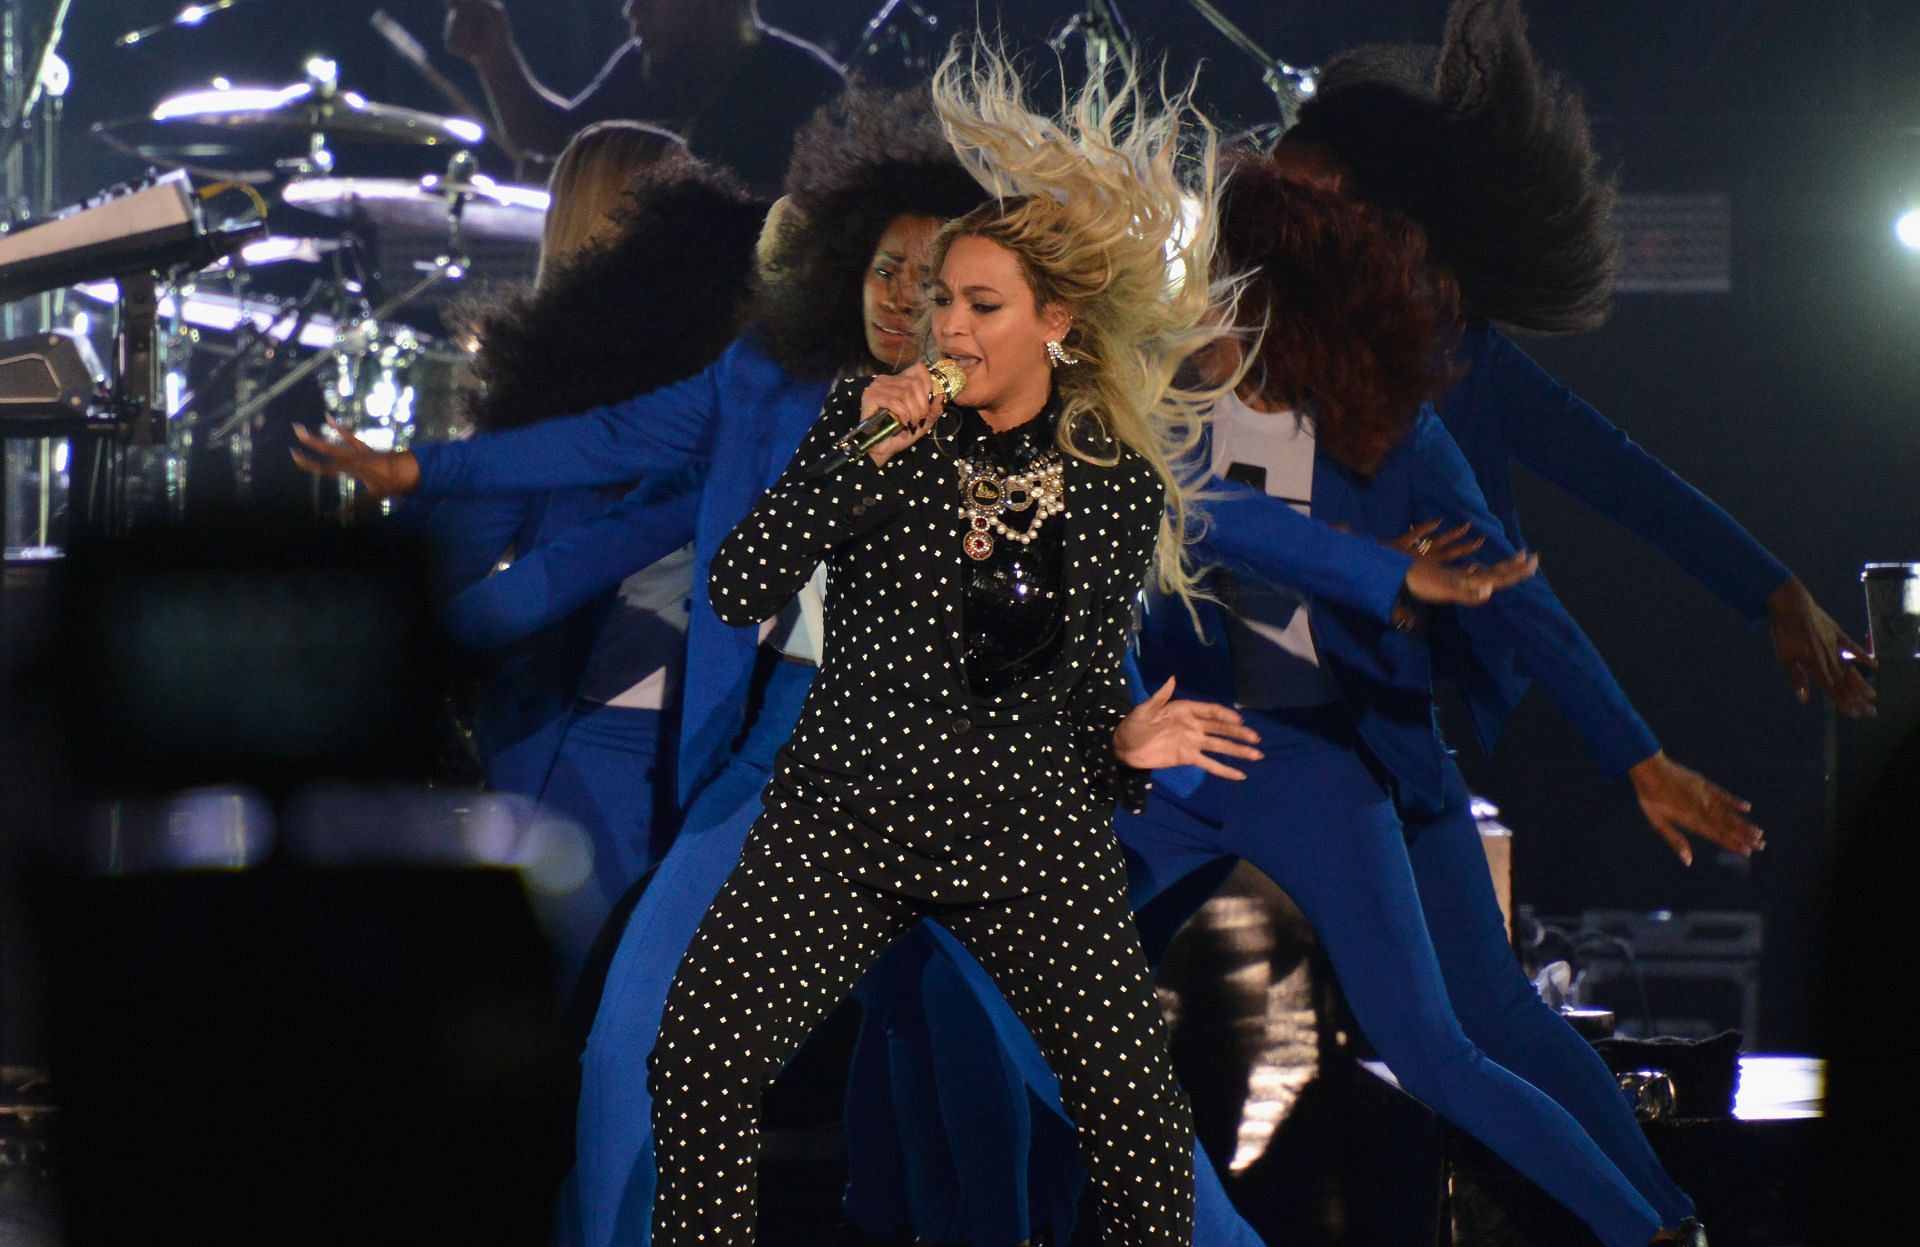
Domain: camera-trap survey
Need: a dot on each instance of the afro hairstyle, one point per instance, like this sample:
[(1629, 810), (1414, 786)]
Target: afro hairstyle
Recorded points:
[(1491, 155), (628, 313), (863, 160)]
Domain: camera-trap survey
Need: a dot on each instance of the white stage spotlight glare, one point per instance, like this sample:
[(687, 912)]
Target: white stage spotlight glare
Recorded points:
[(1907, 229)]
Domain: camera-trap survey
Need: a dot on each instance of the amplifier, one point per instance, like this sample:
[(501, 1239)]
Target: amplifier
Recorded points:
[(1670, 933), (1691, 975)]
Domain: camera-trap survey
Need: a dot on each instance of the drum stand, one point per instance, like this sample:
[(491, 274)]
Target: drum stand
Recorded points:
[(367, 338)]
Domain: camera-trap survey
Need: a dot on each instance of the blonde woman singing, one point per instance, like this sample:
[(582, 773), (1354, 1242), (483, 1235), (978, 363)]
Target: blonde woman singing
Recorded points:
[(961, 753)]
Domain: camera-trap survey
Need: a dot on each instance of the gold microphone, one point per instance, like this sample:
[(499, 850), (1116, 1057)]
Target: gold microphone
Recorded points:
[(949, 379)]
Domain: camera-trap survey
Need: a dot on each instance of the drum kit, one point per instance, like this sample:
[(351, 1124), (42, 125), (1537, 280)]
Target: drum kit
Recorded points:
[(253, 325)]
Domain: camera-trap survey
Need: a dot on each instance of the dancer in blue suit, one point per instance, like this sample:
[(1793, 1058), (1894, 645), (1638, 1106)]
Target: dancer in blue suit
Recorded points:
[(1493, 158), (1391, 873), (578, 706)]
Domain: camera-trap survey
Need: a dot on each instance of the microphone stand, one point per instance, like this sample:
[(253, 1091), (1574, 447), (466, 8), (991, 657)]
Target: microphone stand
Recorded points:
[(48, 56), (1290, 84), (1105, 33)]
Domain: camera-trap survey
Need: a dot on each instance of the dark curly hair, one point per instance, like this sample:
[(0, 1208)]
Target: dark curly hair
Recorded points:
[(866, 158), (1357, 323), (653, 304), (1490, 154)]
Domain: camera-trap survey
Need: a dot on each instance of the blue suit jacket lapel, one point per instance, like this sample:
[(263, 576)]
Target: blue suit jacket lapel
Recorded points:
[(770, 414)]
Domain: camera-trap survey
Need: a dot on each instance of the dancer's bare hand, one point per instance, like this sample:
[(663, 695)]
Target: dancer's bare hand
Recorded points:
[(383, 473), (1814, 652), (1428, 544), (1441, 576), (1680, 802), (1161, 731), (914, 401)]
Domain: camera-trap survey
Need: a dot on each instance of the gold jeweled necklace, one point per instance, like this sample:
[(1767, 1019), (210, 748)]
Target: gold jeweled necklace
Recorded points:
[(987, 493)]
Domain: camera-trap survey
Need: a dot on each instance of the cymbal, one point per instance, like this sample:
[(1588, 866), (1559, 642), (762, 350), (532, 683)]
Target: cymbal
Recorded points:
[(490, 210), (278, 249), (226, 313), (239, 128)]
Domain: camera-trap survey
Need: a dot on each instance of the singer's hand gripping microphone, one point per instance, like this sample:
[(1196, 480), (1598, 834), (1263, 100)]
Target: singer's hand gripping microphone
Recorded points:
[(949, 379)]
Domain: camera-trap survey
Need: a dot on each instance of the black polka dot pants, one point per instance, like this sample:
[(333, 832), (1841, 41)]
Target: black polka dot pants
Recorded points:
[(785, 943)]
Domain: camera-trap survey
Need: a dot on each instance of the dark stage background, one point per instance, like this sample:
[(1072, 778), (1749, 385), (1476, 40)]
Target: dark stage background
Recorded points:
[(1790, 398)]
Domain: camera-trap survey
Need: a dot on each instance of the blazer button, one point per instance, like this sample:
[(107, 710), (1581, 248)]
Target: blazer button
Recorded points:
[(960, 726)]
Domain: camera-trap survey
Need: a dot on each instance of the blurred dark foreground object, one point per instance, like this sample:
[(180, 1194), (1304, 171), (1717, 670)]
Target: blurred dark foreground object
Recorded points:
[(301, 1055), (294, 994), (243, 649)]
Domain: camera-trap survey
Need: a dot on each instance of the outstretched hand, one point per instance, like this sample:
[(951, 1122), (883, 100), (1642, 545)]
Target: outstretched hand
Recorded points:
[(1680, 802), (383, 473), (1440, 574), (1161, 732), (1815, 652)]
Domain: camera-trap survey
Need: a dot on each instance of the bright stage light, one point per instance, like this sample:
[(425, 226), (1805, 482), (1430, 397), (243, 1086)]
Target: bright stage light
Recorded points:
[(1907, 230)]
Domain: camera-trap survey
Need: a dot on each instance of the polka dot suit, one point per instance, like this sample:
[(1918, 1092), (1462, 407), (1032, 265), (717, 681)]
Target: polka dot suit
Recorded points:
[(901, 796)]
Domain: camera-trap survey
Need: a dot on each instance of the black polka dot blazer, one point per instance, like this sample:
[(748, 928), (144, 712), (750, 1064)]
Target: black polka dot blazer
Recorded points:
[(896, 773)]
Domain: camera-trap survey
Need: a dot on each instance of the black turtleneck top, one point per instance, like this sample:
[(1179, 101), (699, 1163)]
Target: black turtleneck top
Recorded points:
[(1015, 599)]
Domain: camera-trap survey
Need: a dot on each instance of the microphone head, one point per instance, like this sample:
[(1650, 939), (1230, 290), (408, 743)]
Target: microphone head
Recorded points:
[(949, 378)]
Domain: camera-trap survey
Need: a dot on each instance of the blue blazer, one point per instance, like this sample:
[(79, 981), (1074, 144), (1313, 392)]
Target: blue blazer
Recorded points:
[(532, 672), (711, 444), (1384, 675)]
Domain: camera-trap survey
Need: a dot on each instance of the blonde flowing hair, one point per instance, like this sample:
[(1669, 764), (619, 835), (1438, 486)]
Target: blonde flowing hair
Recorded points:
[(1110, 206), (592, 181)]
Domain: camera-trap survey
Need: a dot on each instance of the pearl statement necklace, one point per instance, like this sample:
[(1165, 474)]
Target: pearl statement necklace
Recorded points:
[(986, 494)]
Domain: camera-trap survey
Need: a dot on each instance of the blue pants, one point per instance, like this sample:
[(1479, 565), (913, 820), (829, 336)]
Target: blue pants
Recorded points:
[(978, 1149), (609, 1198), (611, 776), (1406, 911), (905, 1073), (613, 769)]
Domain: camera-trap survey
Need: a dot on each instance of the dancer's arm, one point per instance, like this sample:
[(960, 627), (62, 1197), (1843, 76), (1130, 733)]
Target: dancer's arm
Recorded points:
[(662, 430), (1552, 649), (468, 536), (1251, 532), (659, 431), (549, 583), (1559, 435), (771, 554)]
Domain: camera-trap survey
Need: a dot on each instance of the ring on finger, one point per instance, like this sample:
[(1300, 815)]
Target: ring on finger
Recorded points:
[(1423, 546)]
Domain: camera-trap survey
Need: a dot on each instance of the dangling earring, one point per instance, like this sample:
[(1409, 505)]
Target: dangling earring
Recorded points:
[(1057, 354)]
